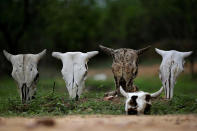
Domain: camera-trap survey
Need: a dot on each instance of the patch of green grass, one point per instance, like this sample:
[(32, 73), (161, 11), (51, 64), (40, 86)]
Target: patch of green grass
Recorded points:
[(49, 103), (185, 85), (54, 104), (180, 104)]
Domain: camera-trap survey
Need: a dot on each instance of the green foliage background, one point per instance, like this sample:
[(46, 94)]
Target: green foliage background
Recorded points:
[(83, 24)]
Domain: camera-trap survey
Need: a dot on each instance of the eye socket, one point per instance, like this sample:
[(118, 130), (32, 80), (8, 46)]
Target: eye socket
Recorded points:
[(134, 98), (37, 76), (135, 73), (86, 66), (137, 62), (133, 102), (85, 74), (148, 97), (183, 63)]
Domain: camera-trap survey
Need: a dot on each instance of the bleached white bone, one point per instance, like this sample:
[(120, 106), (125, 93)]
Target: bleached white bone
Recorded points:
[(25, 72), (171, 66), (74, 70)]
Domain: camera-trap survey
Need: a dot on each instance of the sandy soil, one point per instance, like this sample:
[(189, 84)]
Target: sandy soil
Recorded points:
[(102, 123)]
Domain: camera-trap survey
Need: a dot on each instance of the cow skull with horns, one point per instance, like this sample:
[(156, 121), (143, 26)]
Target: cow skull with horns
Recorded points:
[(25, 73), (74, 70), (138, 102), (124, 67), (171, 66)]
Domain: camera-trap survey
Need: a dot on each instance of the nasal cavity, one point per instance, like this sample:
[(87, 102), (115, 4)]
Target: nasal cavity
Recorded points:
[(132, 111), (24, 85), (23, 91), (76, 98), (122, 82), (37, 76)]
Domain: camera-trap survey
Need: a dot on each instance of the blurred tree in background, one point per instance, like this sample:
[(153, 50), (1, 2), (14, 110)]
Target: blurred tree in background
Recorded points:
[(80, 25)]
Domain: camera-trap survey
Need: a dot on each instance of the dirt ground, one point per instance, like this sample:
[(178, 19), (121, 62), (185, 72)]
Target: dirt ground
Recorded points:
[(102, 123)]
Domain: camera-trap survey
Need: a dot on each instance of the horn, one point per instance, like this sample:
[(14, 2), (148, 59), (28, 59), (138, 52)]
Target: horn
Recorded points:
[(107, 50), (141, 51), (91, 54), (8, 55), (156, 94), (161, 52), (123, 92), (186, 54), (57, 55), (40, 55)]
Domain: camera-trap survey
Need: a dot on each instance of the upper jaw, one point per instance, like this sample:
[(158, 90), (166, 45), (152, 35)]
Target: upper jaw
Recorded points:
[(27, 92), (168, 88)]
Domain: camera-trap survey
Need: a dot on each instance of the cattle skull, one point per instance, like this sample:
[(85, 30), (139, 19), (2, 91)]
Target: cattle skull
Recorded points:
[(138, 102), (171, 66), (25, 72), (74, 70), (124, 67)]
